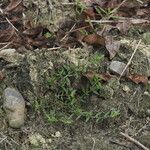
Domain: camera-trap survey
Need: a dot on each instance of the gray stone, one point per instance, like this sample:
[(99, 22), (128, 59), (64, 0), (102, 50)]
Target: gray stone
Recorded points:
[(14, 106), (11, 55), (117, 67), (148, 112), (36, 140)]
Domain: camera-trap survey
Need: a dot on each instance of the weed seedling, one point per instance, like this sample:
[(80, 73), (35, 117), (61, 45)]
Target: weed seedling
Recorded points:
[(69, 102), (80, 7)]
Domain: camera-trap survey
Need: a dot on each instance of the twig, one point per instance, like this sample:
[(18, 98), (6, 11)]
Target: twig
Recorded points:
[(9, 21), (120, 144), (5, 46), (121, 20), (68, 32), (50, 49), (129, 62), (77, 29), (134, 141), (68, 3), (93, 147), (54, 48), (119, 5)]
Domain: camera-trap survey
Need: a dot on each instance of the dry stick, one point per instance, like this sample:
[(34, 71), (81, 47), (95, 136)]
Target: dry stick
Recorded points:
[(77, 29), (129, 62), (120, 5), (68, 32), (54, 48), (134, 141), (122, 19), (5, 46), (68, 3), (93, 147), (9, 21)]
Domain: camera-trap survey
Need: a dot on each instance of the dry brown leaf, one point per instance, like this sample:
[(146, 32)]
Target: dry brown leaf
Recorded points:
[(38, 42), (93, 39), (33, 32), (136, 78), (14, 6), (89, 12), (142, 12), (2, 76), (124, 26), (103, 76), (7, 34), (112, 46)]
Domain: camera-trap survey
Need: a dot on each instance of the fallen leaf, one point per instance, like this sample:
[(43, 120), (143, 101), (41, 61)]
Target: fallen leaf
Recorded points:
[(33, 32), (124, 26), (112, 46), (93, 39), (102, 76), (136, 78), (89, 12), (7, 34), (143, 12), (14, 6), (38, 42), (1, 76)]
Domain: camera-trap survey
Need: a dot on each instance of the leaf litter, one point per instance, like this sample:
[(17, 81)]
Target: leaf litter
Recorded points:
[(15, 31)]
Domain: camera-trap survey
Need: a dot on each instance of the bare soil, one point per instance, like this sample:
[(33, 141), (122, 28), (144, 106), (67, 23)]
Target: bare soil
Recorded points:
[(30, 74)]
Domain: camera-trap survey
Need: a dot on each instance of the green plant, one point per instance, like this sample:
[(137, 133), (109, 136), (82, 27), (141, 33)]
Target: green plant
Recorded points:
[(95, 85), (147, 87), (38, 105), (69, 103), (80, 7), (107, 12), (48, 35), (80, 113), (105, 115), (96, 59), (51, 117)]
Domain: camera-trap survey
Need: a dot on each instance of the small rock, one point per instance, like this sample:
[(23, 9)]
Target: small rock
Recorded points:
[(148, 112), (36, 140), (57, 134), (117, 67), (14, 106), (11, 55), (49, 140), (146, 93), (126, 89)]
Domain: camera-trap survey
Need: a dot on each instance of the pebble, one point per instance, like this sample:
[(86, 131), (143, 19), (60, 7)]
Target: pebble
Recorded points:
[(36, 140), (14, 106), (126, 89), (117, 67), (148, 112), (57, 135), (146, 93), (11, 55)]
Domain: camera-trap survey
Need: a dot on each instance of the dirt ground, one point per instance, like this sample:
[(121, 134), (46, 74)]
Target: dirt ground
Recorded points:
[(30, 71)]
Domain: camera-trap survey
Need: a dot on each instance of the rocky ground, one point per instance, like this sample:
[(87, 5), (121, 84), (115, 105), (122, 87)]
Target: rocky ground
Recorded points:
[(36, 114)]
